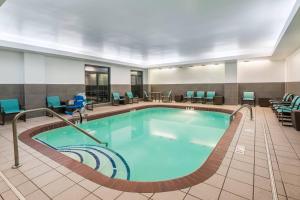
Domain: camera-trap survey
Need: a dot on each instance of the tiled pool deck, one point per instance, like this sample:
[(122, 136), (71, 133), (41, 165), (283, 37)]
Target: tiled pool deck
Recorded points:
[(240, 176)]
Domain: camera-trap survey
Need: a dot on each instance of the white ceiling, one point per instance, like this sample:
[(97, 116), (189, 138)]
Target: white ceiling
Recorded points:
[(147, 33)]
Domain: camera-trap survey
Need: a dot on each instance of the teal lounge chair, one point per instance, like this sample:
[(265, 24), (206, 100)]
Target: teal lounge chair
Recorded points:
[(168, 97), (285, 112), (210, 95), (131, 98), (200, 95), (55, 104), (10, 107), (189, 95), (117, 99), (248, 97), (146, 96), (286, 100)]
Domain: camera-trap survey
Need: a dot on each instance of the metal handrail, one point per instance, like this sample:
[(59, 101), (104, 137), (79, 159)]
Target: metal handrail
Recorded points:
[(242, 106), (15, 135)]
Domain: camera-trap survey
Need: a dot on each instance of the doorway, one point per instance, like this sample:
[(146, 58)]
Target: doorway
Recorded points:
[(137, 83), (97, 83)]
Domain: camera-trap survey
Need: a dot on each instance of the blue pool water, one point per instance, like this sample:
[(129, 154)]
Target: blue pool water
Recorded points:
[(152, 144)]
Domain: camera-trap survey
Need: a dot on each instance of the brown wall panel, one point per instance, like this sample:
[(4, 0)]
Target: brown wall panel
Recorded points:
[(9, 91), (231, 92), (293, 87), (121, 88), (65, 91)]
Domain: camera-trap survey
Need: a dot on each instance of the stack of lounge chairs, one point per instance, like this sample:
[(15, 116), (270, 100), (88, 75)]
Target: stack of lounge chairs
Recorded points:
[(284, 108)]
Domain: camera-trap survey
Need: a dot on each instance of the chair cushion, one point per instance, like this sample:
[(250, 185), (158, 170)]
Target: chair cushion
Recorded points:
[(248, 96), (200, 94), (53, 101), (210, 94), (10, 105), (129, 95), (189, 94), (116, 95)]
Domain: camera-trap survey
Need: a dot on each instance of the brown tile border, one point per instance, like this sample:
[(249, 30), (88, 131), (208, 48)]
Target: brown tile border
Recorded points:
[(205, 171)]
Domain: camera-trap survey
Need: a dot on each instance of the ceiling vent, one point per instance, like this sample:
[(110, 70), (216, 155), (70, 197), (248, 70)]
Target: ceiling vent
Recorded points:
[(1, 2)]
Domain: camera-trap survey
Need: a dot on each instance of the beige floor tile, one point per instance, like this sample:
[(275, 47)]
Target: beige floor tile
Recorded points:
[(75, 177), (229, 196), (27, 188), (290, 178), (262, 183), (37, 171), (238, 188), (107, 193), (63, 170), (175, 195), (261, 171), (18, 179), (292, 191), (89, 185), (37, 195), (243, 166), (185, 190), (205, 191), (131, 196), (46, 178), (11, 173), (57, 186), (241, 176), (9, 195), (216, 180), (75, 193), (222, 170), (3, 186), (91, 197), (189, 197), (260, 194)]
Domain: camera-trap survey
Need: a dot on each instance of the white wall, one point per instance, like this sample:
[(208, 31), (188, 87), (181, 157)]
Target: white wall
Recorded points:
[(188, 75), (34, 68), (293, 67), (64, 71), (11, 67), (261, 71)]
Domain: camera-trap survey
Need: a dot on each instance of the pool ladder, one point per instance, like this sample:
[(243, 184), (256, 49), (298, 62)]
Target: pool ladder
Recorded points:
[(15, 134), (240, 108)]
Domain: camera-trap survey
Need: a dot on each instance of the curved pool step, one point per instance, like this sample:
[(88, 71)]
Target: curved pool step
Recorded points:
[(102, 159)]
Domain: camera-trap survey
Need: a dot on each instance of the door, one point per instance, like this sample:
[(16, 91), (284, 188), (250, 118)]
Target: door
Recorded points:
[(137, 83), (97, 83)]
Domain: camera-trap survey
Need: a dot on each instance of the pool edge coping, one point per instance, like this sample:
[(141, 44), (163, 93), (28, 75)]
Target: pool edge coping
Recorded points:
[(205, 171)]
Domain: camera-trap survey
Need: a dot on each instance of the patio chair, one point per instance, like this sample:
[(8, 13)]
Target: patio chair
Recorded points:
[(146, 96), (248, 97), (167, 98), (10, 107), (189, 95), (200, 95), (55, 104), (117, 99), (131, 98), (210, 95)]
